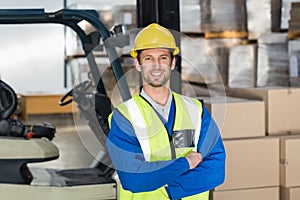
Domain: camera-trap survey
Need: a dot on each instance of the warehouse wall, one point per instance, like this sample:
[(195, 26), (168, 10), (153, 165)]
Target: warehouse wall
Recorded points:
[(32, 56)]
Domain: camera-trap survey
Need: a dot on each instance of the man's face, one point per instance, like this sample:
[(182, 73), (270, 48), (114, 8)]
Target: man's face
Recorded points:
[(155, 66)]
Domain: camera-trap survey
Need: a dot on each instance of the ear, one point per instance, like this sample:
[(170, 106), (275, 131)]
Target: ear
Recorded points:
[(173, 64), (137, 65)]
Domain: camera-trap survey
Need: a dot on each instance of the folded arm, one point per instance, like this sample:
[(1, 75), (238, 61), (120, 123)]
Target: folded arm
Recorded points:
[(136, 174), (211, 171)]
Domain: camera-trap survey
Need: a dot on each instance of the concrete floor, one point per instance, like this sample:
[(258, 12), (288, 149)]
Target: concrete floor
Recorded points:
[(73, 154), (74, 141)]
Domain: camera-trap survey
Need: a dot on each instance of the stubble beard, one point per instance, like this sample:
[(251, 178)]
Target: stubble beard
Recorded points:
[(157, 83)]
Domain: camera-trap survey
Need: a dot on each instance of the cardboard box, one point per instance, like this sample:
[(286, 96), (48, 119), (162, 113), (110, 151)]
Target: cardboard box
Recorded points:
[(289, 193), (251, 163), (236, 117), (282, 107), (32, 104), (290, 161), (270, 193)]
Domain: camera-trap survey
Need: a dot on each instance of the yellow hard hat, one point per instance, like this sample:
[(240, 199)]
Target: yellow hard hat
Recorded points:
[(154, 36)]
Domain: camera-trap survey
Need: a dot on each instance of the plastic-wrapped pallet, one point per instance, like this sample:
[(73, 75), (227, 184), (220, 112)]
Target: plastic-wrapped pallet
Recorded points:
[(197, 66), (225, 15), (242, 66), (262, 17), (294, 62), (190, 16), (125, 15), (205, 61), (286, 13), (272, 60)]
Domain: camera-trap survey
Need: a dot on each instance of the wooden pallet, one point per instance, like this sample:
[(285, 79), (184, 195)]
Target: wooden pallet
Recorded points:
[(226, 34), (294, 34), (223, 34), (32, 104)]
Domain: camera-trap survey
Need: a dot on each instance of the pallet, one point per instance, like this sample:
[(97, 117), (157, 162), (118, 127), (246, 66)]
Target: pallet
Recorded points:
[(223, 34), (226, 34), (32, 104), (294, 34)]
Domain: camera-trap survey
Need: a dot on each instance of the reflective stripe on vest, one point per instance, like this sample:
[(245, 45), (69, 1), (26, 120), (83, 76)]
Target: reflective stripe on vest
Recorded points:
[(154, 139)]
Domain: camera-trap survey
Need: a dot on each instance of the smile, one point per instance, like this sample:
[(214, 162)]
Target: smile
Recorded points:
[(156, 73)]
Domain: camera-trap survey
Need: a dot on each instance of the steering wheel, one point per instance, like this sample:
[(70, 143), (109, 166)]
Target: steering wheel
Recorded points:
[(8, 100), (81, 87)]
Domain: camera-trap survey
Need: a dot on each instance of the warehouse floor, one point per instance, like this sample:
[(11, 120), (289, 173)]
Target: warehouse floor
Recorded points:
[(72, 152)]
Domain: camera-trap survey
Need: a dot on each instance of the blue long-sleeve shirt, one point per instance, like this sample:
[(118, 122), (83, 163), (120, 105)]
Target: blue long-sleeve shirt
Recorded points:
[(138, 175)]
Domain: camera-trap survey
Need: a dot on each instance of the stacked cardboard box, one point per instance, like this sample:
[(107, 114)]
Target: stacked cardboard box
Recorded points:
[(281, 104), (226, 111), (282, 122), (262, 161), (269, 193), (289, 167), (290, 193), (252, 166)]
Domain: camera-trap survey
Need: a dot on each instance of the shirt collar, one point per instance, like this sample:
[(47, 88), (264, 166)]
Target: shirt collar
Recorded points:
[(162, 110)]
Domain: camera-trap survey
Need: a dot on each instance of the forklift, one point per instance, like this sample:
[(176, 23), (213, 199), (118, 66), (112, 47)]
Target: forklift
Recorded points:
[(22, 144)]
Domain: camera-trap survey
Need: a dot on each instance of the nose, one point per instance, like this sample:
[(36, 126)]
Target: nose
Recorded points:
[(157, 64)]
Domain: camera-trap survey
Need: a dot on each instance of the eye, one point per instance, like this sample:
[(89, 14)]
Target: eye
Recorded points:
[(146, 58), (165, 57)]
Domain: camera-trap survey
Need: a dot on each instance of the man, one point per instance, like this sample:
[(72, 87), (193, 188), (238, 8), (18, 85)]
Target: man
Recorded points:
[(162, 144)]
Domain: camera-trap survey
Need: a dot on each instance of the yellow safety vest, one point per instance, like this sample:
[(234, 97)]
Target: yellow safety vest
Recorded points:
[(154, 139)]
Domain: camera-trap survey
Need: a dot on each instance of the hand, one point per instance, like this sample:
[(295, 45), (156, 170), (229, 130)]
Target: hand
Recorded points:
[(194, 159)]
